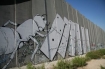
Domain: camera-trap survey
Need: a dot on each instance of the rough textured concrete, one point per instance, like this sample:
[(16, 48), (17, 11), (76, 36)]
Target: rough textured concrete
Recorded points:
[(23, 12), (38, 7), (7, 13), (64, 9), (58, 7), (74, 15), (51, 11), (70, 12), (27, 10)]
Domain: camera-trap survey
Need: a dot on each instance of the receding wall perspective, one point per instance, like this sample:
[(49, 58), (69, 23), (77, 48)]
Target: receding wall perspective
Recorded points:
[(40, 31)]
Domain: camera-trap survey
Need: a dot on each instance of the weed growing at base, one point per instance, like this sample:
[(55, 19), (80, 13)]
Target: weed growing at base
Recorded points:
[(73, 64), (79, 62), (63, 64), (102, 67), (96, 54), (30, 66)]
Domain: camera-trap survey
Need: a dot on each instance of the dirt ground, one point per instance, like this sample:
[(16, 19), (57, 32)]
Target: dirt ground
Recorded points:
[(94, 64)]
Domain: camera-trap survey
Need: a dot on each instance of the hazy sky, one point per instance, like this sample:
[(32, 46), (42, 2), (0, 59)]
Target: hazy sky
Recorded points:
[(94, 10)]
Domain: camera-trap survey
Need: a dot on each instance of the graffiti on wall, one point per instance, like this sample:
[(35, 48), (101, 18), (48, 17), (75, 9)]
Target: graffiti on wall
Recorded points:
[(23, 33), (63, 34)]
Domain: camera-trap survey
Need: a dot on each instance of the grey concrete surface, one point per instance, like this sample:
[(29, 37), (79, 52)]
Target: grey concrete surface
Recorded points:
[(27, 10)]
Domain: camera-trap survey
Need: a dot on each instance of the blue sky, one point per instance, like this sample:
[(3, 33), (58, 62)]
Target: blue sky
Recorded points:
[(94, 10)]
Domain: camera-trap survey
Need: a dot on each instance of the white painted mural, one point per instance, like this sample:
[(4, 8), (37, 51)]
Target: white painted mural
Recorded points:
[(63, 34)]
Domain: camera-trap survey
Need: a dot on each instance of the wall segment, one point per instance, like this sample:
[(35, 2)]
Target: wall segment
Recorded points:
[(54, 30)]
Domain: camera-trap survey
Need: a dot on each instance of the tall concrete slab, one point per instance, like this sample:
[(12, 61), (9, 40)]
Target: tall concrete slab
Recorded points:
[(78, 36), (94, 33), (97, 37), (82, 20), (7, 12), (79, 21), (64, 8), (23, 12), (78, 40), (88, 26), (98, 34), (70, 17), (51, 12), (86, 33), (74, 15), (61, 9), (58, 7), (93, 36), (89, 32), (38, 7), (103, 36), (72, 40)]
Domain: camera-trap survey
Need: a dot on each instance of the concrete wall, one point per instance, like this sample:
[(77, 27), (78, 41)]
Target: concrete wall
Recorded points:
[(27, 10)]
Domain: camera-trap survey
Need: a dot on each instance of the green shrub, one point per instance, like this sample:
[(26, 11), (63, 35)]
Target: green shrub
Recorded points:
[(94, 54), (102, 67), (79, 61), (87, 58), (61, 64), (102, 51), (30, 66), (73, 64)]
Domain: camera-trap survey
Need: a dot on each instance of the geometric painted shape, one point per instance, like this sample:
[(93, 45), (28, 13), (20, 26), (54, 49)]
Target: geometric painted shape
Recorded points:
[(40, 21), (64, 41), (7, 40), (53, 42), (26, 29), (72, 39), (30, 27), (78, 39), (83, 40), (87, 40), (72, 47), (55, 35)]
